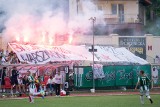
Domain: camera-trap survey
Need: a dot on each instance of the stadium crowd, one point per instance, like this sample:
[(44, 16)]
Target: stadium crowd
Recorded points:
[(19, 83), (12, 81), (157, 59), (8, 57)]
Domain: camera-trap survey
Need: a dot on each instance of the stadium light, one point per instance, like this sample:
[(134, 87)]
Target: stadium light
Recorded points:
[(93, 19)]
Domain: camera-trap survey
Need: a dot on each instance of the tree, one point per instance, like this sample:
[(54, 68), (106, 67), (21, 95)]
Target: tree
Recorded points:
[(153, 18)]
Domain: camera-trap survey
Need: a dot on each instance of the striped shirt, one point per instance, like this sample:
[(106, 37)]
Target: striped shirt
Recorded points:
[(31, 82)]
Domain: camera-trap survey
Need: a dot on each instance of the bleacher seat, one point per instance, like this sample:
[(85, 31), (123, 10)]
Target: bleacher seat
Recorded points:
[(44, 83), (7, 83)]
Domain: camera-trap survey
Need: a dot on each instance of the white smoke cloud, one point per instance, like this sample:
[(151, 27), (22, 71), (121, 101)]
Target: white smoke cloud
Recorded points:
[(30, 20), (87, 9)]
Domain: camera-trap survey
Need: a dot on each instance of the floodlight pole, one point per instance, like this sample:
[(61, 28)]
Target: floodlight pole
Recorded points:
[(1, 79), (93, 19)]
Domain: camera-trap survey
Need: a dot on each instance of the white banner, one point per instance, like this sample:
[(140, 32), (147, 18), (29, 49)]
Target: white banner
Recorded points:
[(155, 75), (98, 71), (39, 54), (112, 54)]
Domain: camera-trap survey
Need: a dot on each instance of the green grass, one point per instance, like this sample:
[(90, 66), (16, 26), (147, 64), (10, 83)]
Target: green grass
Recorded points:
[(92, 101)]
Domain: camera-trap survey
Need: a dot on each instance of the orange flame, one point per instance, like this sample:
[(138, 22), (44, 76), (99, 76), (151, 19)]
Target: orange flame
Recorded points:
[(70, 38), (43, 36), (50, 41), (17, 38), (25, 39)]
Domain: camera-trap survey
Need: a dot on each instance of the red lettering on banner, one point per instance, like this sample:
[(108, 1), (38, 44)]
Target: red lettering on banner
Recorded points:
[(16, 47), (59, 55), (106, 57), (34, 47), (59, 49)]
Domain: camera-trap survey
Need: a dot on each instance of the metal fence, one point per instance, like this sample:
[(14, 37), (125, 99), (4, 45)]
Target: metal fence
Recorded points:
[(155, 75), (121, 18)]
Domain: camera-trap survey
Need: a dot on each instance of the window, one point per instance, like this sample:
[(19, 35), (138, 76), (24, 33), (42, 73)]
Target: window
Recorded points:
[(114, 8), (100, 8), (118, 9)]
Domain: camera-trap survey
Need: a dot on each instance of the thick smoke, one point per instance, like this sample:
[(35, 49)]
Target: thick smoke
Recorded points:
[(30, 20), (38, 21)]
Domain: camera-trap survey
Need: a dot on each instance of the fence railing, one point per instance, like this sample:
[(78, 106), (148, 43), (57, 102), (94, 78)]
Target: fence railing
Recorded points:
[(116, 76), (155, 71), (121, 18), (150, 59)]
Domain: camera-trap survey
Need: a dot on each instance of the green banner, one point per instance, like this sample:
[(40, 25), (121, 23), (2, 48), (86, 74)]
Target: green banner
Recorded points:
[(110, 76), (116, 75), (124, 76)]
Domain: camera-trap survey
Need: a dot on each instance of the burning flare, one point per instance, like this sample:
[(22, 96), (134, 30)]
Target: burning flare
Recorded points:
[(70, 38), (26, 39), (17, 38), (50, 41), (43, 36)]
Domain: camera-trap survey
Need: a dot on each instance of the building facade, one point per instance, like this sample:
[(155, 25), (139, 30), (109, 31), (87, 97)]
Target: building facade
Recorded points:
[(124, 17)]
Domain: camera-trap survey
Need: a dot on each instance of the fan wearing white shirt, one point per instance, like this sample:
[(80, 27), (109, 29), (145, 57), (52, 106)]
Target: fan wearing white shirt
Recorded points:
[(50, 84), (58, 82)]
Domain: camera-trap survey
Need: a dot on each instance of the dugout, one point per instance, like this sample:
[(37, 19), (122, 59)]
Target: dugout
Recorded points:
[(43, 70), (120, 66)]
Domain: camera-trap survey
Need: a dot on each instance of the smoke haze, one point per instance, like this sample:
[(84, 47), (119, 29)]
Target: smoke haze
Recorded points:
[(38, 21)]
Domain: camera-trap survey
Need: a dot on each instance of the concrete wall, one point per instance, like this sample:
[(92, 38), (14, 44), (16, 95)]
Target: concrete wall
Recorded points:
[(1, 41), (72, 8), (88, 39), (153, 46), (131, 9)]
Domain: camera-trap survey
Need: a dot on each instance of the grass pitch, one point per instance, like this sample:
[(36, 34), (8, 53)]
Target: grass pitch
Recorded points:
[(88, 101)]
